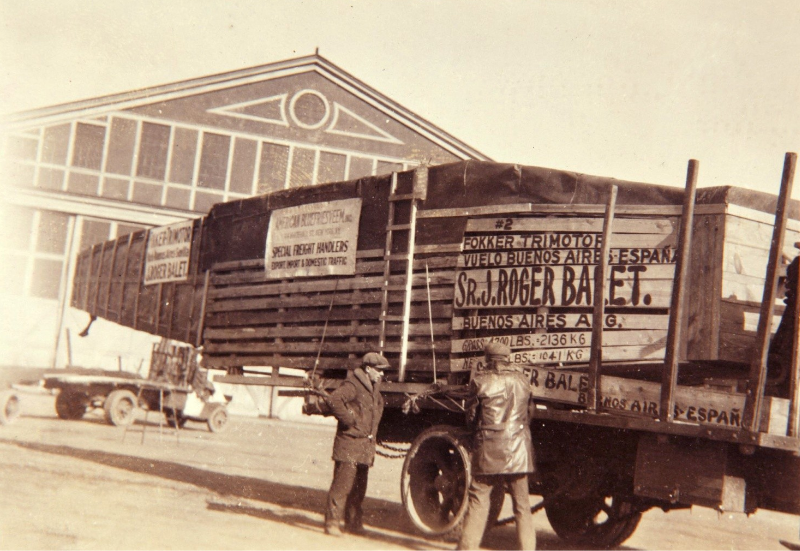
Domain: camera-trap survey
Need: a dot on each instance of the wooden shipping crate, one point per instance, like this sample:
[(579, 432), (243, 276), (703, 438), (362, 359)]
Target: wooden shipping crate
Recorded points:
[(481, 235), (730, 251)]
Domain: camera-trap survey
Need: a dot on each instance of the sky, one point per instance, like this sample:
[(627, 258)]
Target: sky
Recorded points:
[(630, 90)]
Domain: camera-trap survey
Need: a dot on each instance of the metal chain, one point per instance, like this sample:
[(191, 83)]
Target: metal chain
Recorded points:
[(401, 451)]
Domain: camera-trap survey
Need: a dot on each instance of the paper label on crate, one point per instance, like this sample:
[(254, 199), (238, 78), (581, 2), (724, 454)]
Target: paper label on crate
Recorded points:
[(313, 240), (169, 249)]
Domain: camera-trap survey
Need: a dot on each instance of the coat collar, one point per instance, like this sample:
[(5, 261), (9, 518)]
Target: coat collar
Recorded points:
[(363, 378)]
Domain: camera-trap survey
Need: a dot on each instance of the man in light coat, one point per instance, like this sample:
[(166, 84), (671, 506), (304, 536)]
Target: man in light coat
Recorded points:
[(502, 454), (358, 406)]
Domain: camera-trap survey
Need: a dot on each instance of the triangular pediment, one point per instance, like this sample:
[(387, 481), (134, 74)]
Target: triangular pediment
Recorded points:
[(271, 110), (307, 109)]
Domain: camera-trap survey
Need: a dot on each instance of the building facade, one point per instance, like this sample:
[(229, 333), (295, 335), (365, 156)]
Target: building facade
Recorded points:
[(81, 173)]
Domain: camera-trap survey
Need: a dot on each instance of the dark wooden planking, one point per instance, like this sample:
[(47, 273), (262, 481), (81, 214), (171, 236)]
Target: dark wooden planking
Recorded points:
[(702, 334), (334, 331), (339, 285)]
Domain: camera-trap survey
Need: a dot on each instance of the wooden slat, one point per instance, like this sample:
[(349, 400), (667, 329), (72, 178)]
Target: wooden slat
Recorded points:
[(570, 209), (308, 301), (420, 329), (363, 268), (345, 284), (230, 319), (300, 362), (660, 225), (313, 347)]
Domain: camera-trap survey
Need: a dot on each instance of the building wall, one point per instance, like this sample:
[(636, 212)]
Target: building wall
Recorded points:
[(88, 178)]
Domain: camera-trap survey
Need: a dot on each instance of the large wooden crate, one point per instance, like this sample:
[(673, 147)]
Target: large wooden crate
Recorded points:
[(246, 317), (730, 250)]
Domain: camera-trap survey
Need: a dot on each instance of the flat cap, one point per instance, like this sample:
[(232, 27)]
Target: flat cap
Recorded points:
[(373, 359), (495, 350)]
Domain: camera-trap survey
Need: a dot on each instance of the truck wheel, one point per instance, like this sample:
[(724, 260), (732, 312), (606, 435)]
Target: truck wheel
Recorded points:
[(120, 407), (71, 405), (9, 407), (593, 522), (435, 481), (218, 420)]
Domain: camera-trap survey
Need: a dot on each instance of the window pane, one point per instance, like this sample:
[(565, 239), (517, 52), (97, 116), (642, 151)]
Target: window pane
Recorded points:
[(46, 278), (94, 231), (184, 150), (16, 229), (214, 161), (359, 168), (331, 167), (147, 193), (302, 168), (153, 151), (22, 148), (89, 141), (12, 270), (56, 142), (178, 198), (272, 168), (120, 146), (85, 184), (244, 162), (388, 168), (204, 201), (50, 178), (125, 229), (18, 173), (52, 232), (115, 188)]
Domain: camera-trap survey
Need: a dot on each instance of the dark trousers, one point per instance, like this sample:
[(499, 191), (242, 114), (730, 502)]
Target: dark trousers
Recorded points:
[(480, 490), (346, 495)]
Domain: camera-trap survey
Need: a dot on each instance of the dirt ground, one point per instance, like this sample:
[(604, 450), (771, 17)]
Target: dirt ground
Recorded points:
[(260, 485)]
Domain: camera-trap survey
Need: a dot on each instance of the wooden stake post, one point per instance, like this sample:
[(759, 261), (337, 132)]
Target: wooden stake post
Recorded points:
[(758, 369), (596, 350), (670, 374)]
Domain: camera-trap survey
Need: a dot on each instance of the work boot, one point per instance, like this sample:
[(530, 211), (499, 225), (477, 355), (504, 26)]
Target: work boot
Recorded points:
[(357, 529), (333, 530)]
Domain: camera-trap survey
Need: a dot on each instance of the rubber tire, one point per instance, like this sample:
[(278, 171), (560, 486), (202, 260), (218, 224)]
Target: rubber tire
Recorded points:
[(574, 521), (71, 405), (120, 407), (437, 455), (10, 409), (218, 420)]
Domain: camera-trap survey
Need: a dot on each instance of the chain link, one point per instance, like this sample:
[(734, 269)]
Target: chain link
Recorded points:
[(401, 452)]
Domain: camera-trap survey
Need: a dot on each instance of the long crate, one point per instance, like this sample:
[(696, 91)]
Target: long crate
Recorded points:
[(483, 232)]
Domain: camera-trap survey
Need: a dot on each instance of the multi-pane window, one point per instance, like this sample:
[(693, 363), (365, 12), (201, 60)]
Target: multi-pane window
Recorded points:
[(33, 251), (88, 148), (153, 151), (214, 161)]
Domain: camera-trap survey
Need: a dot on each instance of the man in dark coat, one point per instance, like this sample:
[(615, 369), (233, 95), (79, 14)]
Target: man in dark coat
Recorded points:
[(358, 405), (502, 454)]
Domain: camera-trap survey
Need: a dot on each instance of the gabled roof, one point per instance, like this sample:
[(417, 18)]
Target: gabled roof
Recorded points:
[(104, 104)]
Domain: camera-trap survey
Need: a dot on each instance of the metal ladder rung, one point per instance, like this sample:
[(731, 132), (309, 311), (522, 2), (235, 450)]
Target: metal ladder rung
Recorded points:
[(397, 227), (397, 256)]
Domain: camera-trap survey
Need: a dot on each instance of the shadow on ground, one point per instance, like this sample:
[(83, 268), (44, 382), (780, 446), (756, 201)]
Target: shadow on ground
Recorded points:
[(378, 513)]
